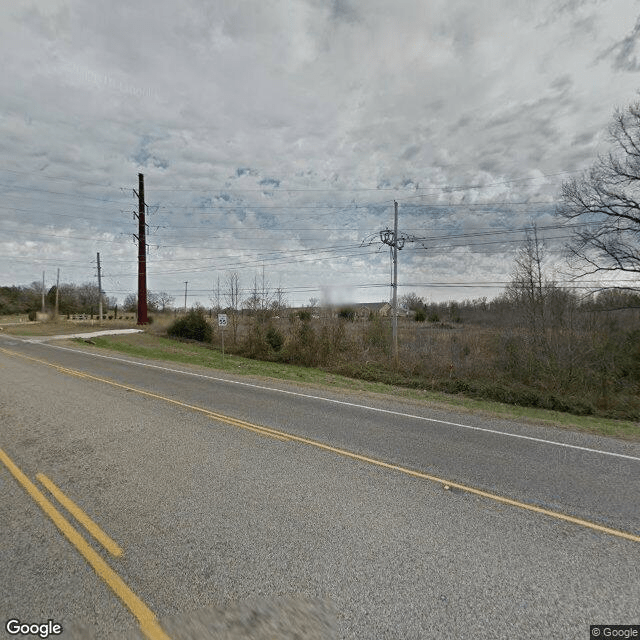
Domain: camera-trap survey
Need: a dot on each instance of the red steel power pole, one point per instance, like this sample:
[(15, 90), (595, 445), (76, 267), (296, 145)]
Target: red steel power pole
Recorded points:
[(142, 255)]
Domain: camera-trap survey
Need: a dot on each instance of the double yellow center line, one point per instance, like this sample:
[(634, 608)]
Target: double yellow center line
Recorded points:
[(235, 422), (112, 547), (146, 618), (281, 435)]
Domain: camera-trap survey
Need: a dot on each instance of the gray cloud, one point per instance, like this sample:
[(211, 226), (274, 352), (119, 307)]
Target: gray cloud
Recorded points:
[(623, 53), (292, 126)]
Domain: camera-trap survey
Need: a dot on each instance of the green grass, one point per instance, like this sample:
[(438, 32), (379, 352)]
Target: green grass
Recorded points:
[(147, 345)]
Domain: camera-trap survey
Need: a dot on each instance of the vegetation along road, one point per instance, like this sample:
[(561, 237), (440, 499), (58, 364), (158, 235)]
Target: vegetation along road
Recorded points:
[(387, 517)]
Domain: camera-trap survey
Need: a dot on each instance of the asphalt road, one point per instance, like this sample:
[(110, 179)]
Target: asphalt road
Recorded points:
[(346, 522)]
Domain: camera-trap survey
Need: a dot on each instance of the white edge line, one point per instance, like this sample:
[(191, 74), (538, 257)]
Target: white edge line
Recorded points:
[(350, 404)]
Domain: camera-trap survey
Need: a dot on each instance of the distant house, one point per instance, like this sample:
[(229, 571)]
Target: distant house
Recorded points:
[(382, 309)]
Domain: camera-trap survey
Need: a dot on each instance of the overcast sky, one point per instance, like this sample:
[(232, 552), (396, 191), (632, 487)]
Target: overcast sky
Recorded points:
[(274, 137)]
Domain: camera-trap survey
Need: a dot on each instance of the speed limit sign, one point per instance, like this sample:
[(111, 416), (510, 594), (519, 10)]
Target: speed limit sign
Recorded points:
[(222, 319)]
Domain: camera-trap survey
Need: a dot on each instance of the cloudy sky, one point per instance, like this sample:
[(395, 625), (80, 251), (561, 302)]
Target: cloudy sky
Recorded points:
[(275, 135)]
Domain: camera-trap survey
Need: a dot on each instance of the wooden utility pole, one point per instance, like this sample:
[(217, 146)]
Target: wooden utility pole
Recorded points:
[(394, 311), (142, 255), (391, 238), (57, 292), (43, 292), (99, 292)]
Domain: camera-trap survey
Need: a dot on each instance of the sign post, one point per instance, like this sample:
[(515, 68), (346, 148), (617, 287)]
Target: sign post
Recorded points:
[(222, 323)]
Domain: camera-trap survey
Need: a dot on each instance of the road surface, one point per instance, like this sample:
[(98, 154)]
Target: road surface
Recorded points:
[(367, 517)]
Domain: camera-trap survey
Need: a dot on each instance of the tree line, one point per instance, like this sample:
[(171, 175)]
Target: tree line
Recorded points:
[(72, 299)]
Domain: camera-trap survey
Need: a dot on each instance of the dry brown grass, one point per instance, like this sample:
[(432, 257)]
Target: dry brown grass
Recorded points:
[(579, 371)]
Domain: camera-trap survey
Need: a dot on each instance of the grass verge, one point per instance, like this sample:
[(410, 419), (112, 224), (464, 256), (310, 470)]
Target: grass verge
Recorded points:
[(146, 345)]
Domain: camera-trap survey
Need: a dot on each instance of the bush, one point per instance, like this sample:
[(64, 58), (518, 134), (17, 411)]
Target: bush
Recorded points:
[(302, 348), (193, 326), (32, 316), (275, 339), (420, 316), (304, 315), (255, 344), (347, 313), (378, 335), (433, 317)]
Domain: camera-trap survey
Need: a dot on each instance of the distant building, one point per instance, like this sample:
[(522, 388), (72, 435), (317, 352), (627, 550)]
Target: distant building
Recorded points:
[(365, 309)]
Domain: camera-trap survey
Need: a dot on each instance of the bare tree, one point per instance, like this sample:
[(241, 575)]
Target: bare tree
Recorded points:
[(260, 301), (88, 297), (153, 304), (254, 301), (606, 201), (232, 294), (159, 300), (279, 302), (527, 287), (411, 301), (215, 298), (130, 303)]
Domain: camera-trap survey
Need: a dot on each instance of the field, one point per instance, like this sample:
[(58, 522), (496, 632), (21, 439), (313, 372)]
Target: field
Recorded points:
[(151, 345), (585, 376), (589, 368)]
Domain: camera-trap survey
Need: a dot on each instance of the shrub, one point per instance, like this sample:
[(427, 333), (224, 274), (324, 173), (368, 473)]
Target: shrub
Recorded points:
[(433, 317), (255, 344), (32, 316), (193, 326), (347, 313), (302, 348), (377, 335), (275, 338), (420, 316), (304, 315)]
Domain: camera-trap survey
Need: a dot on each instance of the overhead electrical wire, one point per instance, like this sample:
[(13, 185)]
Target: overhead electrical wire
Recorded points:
[(286, 256), (40, 176)]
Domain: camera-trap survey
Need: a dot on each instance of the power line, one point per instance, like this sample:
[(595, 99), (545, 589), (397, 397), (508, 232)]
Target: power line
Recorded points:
[(328, 210), (377, 188), (54, 260), (225, 189), (58, 193), (66, 237), (266, 186), (479, 244), (491, 284), (245, 265), (42, 176)]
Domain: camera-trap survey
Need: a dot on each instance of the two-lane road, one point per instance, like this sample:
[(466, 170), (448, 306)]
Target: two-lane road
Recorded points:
[(408, 522)]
